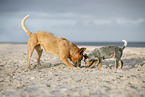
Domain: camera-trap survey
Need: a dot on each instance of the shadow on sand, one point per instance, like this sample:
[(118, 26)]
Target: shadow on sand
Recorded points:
[(127, 63)]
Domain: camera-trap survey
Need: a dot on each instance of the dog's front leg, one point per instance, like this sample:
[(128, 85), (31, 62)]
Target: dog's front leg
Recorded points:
[(92, 64), (65, 61)]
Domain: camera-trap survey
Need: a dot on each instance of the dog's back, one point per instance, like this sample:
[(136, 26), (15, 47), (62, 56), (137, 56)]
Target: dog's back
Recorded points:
[(48, 41), (109, 51)]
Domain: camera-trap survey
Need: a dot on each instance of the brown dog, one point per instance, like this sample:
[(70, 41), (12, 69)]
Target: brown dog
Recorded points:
[(54, 45)]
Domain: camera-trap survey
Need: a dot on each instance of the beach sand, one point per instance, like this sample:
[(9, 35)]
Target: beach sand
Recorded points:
[(55, 79)]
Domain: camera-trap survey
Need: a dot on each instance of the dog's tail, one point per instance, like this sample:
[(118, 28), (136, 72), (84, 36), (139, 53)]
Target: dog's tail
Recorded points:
[(24, 27), (125, 44)]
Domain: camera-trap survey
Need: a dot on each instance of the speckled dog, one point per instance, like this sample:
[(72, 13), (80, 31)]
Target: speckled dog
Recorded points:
[(99, 54)]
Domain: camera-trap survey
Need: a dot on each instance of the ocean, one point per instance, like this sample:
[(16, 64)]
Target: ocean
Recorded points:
[(129, 44)]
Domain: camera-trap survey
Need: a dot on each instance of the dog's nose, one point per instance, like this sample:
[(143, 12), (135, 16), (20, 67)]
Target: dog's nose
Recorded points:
[(78, 63)]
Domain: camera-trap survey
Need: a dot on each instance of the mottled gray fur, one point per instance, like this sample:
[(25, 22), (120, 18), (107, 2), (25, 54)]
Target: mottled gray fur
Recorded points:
[(106, 52)]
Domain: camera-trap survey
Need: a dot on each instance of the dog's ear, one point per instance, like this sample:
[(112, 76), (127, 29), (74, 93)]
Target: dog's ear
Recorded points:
[(81, 50), (85, 56)]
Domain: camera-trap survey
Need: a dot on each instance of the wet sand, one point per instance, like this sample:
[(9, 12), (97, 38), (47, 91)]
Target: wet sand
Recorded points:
[(56, 79)]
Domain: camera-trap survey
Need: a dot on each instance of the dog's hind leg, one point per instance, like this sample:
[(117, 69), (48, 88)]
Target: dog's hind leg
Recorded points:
[(116, 63), (121, 63), (99, 64), (30, 51), (117, 56), (31, 45), (39, 53)]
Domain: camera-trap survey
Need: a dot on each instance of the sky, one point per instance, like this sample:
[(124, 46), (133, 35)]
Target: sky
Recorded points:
[(75, 20)]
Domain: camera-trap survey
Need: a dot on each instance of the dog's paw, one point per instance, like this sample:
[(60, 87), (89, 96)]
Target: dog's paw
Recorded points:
[(29, 67), (74, 67)]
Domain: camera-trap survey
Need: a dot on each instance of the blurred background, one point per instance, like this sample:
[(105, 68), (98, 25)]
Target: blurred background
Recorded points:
[(75, 20)]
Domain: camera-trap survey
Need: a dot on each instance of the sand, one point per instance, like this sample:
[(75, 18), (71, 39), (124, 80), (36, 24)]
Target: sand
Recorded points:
[(55, 79)]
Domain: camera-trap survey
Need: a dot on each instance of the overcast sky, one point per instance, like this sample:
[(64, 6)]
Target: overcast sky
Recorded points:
[(76, 20)]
